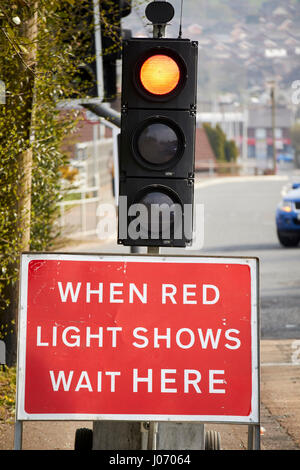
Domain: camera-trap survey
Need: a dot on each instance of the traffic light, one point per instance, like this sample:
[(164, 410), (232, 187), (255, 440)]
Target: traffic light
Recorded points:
[(111, 12), (81, 36), (158, 121)]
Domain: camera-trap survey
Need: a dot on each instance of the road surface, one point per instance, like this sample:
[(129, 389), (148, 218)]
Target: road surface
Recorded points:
[(239, 220)]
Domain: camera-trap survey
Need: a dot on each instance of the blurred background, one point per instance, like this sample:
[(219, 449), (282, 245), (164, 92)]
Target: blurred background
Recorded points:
[(248, 98)]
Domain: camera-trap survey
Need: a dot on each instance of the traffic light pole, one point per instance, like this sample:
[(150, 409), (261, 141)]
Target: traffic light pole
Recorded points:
[(153, 425)]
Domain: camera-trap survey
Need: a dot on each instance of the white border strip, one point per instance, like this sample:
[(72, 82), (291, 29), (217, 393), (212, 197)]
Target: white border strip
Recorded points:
[(238, 179)]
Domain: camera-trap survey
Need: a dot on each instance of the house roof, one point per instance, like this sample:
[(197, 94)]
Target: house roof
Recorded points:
[(204, 155)]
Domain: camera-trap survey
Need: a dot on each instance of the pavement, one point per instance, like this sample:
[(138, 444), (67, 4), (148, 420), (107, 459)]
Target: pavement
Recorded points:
[(279, 400)]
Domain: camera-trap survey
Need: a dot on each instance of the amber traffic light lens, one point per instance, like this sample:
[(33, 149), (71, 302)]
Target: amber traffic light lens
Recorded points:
[(160, 74)]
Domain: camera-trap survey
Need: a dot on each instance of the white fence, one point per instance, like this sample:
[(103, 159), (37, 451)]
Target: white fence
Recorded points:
[(94, 161), (78, 217)]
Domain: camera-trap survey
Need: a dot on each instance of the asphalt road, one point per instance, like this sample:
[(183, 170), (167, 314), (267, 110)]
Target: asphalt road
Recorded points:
[(239, 220)]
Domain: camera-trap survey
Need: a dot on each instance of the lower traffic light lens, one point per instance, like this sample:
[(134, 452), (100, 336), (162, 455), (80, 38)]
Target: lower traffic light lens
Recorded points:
[(156, 197), (159, 74), (157, 144), (160, 209)]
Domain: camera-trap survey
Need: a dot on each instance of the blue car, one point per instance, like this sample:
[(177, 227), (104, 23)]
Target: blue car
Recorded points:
[(285, 157), (288, 217)]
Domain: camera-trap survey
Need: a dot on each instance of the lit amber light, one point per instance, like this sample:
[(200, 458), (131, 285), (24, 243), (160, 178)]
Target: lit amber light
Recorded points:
[(159, 74)]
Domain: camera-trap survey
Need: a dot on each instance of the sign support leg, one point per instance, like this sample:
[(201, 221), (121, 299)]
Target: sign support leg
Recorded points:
[(153, 426), (18, 435), (174, 435), (152, 434), (254, 437)]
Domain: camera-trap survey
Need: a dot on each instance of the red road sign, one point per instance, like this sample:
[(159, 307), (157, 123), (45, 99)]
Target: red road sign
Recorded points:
[(138, 338)]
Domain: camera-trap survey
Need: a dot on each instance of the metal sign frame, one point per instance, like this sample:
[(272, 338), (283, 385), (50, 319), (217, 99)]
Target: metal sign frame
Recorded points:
[(253, 418)]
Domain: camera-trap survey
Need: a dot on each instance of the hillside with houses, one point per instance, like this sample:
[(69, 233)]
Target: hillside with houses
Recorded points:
[(242, 44)]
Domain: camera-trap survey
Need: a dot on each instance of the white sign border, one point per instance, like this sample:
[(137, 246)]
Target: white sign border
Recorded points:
[(252, 262)]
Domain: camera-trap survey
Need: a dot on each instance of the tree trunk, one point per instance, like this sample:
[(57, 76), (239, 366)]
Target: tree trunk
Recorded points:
[(24, 117)]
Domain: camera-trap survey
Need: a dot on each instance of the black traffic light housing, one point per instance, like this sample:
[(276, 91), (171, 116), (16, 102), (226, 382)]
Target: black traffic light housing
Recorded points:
[(159, 88), (140, 147), (170, 227), (136, 51)]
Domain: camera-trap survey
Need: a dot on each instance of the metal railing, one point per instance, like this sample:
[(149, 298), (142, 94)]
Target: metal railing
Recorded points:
[(78, 216), (78, 210)]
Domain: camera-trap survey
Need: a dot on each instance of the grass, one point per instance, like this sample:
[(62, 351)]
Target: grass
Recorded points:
[(7, 394)]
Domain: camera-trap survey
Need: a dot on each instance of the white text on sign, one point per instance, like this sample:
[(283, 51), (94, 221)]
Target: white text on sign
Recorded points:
[(114, 293)]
